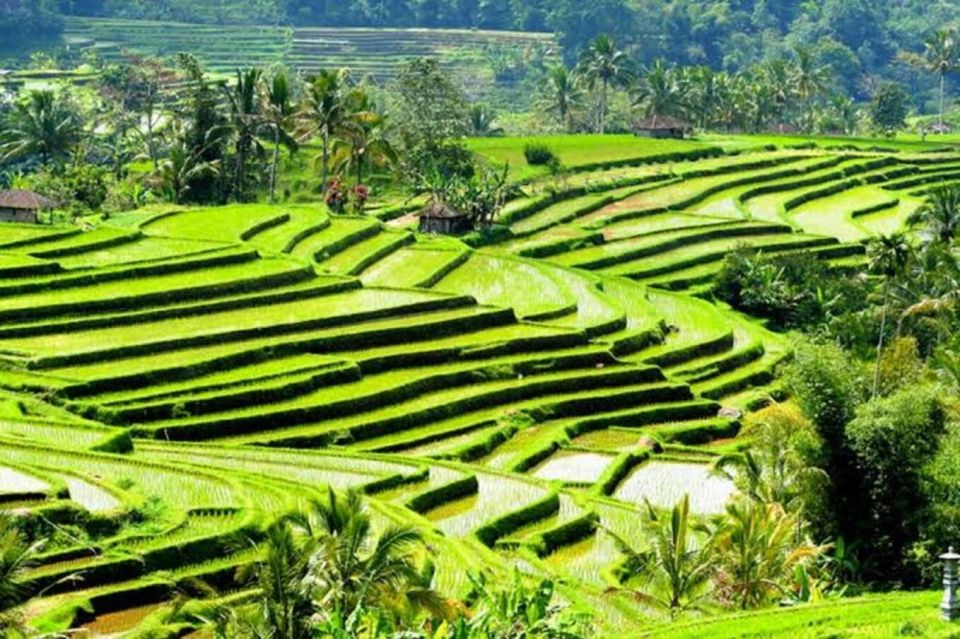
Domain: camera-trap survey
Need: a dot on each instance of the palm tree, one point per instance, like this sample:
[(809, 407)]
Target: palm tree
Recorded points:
[(758, 553), (349, 569), (181, 168), (276, 103), (940, 214), (560, 96), (660, 92), (323, 112), (601, 63), (483, 122), (776, 78), (940, 56), (45, 125), (284, 605), (245, 121), (16, 555), (809, 80), (844, 113), (676, 570), (364, 142), (889, 256)]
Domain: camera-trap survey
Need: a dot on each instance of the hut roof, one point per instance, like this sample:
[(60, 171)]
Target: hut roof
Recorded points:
[(24, 201), (438, 210), (662, 122)]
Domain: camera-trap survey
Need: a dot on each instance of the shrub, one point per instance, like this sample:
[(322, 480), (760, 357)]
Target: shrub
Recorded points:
[(539, 155), (892, 439)]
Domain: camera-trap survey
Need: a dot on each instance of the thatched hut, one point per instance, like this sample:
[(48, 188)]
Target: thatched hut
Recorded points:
[(661, 127), (440, 218), (22, 206)]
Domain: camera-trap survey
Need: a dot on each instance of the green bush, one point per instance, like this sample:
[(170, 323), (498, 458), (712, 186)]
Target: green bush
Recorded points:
[(892, 439), (538, 154)]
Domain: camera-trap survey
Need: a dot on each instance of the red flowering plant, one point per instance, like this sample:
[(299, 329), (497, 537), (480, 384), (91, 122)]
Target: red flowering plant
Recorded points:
[(336, 197), (359, 195)]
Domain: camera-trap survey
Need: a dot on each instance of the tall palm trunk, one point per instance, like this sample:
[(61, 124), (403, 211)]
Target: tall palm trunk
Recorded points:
[(324, 160), (274, 163), (943, 78), (883, 329), (603, 107)]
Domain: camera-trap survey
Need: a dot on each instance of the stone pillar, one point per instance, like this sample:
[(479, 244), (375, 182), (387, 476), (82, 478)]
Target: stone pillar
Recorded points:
[(950, 606)]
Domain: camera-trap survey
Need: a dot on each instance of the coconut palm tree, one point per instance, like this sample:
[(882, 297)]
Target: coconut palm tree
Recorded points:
[(941, 56), (561, 97), (602, 64), (889, 256), (277, 105), (809, 80), (45, 125), (660, 92), (16, 555), (776, 78), (284, 605), (758, 553), (324, 568), (364, 142), (483, 122), (246, 121), (350, 569), (675, 571), (940, 214), (323, 111)]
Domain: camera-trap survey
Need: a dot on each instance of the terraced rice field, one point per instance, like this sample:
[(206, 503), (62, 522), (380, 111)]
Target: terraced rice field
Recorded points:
[(373, 53), (209, 368)]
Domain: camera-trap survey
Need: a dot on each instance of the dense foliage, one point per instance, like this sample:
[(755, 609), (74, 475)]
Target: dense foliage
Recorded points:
[(859, 39)]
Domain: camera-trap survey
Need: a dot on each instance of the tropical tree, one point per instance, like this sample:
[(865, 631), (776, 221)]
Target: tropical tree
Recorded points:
[(364, 142), (941, 56), (603, 64), (246, 120), (660, 91), (182, 168), (278, 108), (16, 555), (674, 573), (889, 256), (350, 569), (204, 135), (940, 214), (758, 552), (776, 78), (809, 81), (780, 466), (46, 125), (842, 114), (285, 604), (322, 113), (483, 122), (561, 96)]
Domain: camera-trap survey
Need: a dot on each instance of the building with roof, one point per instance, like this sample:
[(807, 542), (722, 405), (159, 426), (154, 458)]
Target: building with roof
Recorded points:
[(662, 126), (22, 206), (441, 218)]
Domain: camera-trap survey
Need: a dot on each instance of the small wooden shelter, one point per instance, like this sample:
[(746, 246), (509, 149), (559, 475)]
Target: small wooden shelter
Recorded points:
[(22, 206), (662, 127), (441, 218)]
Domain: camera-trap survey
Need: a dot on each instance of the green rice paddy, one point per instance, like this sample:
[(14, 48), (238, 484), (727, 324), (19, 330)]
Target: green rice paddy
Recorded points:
[(216, 366)]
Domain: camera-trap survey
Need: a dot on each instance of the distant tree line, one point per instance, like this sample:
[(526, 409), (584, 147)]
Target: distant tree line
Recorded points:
[(859, 39)]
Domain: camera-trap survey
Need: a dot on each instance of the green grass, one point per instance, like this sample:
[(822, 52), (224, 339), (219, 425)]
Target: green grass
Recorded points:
[(868, 617), (575, 151)]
